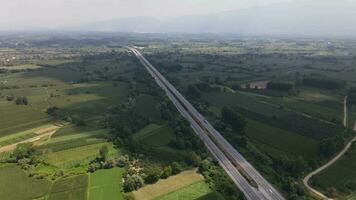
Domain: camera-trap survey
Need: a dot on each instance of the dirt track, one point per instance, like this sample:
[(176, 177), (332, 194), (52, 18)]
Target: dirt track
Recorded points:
[(332, 161), (41, 133)]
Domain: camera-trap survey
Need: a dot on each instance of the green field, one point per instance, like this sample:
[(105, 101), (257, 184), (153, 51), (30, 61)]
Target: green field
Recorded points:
[(54, 87), (154, 135), (341, 175), (106, 184), (76, 156), (16, 185), (20, 136), (72, 188), (244, 101), (287, 143), (189, 192), (316, 103)]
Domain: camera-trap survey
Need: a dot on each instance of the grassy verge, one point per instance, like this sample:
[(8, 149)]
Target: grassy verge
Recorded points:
[(106, 185)]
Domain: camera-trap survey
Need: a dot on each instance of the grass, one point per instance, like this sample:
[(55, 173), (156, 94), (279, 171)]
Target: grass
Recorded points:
[(154, 135), (72, 188), (155, 139), (189, 192), (76, 156), (244, 101), (15, 118), (279, 141), (69, 144), (339, 175), (53, 87), (210, 196), (146, 131), (317, 105), (21, 136), (15, 184), (168, 185), (82, 135), (106, 184), (14, 137), (5, 155), (20, 67)]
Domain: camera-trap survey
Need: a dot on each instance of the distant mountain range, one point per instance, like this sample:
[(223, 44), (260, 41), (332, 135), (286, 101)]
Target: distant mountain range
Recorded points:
[(316, 17)]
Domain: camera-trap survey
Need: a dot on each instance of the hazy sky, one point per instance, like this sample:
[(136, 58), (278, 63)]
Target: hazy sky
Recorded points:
[(18, 14)]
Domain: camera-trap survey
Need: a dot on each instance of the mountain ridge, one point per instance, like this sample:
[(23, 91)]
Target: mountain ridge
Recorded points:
[(300, 17)]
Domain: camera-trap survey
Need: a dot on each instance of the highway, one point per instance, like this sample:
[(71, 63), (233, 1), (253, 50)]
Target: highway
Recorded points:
[(243, 174)]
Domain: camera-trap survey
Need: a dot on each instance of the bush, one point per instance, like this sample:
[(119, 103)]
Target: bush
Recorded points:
[(176, 168), (323, 83), (133, 182), (10, 98), (103, 152), (167, 172), (235, 120), (280, 86), (51, 110), (122, 161), (21, 101), (153, 173), (23, 150)]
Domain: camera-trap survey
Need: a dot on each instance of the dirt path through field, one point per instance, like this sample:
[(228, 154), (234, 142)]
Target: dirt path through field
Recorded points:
[(41, 133), (332, 161), (345, 111)]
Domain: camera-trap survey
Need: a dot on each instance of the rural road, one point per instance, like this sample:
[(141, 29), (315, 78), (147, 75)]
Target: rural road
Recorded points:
[(242, 173), (332, 161), (345, 111)]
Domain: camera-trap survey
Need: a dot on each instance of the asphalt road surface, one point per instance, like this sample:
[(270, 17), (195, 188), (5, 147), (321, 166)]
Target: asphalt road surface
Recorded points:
[(243, 174)]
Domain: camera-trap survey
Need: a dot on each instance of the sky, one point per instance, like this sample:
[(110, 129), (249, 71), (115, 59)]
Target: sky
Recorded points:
[(24, 14)]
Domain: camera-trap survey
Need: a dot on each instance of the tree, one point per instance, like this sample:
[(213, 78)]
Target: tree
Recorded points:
[(193, 159), (332, 192), (281, 86), (176, 168), (133, 182), (122, 161), (351, 96), (21, 101), (23, 150), (51, 110), (153, 173), (236, 121), (193, 91), (324, 83), (103, 152), (329, 146), (167, 172), (10, 98)]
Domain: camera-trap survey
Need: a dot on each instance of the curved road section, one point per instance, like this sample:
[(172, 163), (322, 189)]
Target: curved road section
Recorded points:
[(242, 173), (332, 161)]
